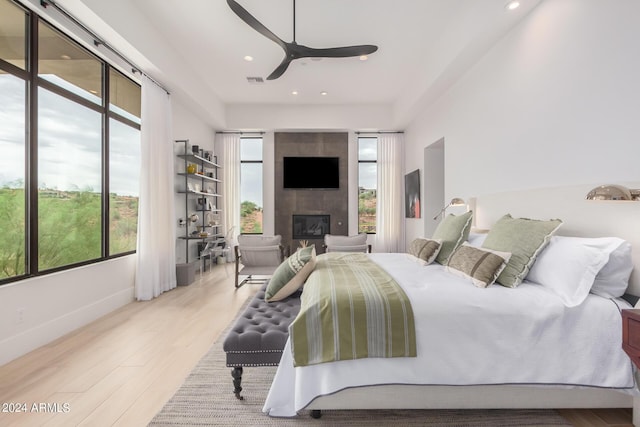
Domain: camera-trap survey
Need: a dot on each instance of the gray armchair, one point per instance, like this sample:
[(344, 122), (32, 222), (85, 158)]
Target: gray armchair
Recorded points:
[(357, 243), (259, 256)]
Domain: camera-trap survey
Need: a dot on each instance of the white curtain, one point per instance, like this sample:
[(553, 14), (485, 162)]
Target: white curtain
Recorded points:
[(390, 213), (156, 253), (231, 183)]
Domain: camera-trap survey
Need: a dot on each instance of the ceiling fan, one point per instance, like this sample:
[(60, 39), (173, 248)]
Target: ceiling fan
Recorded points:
[(294, 50)]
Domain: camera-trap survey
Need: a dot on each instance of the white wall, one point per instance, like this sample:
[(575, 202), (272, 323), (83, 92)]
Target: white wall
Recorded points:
[(308, 117), (58, 303), (554, 103)]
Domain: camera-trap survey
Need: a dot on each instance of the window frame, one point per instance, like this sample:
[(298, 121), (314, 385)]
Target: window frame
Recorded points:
[(261, 162), (367, 161), (32, 84)]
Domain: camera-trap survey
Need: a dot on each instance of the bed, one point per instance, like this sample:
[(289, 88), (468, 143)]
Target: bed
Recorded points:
[(535, 351)]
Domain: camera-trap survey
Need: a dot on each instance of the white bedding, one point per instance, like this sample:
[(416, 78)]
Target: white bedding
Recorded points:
[(471, 336)]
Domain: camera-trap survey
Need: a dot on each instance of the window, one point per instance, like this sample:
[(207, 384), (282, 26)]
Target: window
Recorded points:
[(67, 65), (13, 34), (12, 176), (69, 166), (251, 185), (69, 182), (124, 162), (367, 183), (124, 177), (13, 140)]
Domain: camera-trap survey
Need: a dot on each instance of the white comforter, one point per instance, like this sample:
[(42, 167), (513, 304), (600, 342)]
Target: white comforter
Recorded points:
[(470, 336)]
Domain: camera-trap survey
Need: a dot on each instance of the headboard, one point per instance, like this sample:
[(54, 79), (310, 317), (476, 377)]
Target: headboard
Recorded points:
[(583, 218)]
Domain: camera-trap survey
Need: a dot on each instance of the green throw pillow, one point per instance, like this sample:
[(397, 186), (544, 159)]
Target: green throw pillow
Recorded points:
[(425, 249), (291, 274), (524, 238), (481, 266), (452, 231)]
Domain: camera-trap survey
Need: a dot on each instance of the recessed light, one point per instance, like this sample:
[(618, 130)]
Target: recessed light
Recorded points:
[(512, 5), (363, 57), (65, 57), (324, 93), (295, 92), (248, 58)]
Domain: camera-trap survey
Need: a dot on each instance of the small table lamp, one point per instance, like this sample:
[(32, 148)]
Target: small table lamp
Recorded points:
[(456, 201)]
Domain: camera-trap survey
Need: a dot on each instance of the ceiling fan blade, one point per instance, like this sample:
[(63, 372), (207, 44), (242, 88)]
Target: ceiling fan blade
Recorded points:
[(337, 52), (281, 69), (254, 23)]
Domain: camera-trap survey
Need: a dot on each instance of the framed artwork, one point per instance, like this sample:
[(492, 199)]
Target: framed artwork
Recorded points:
[(412, 194)]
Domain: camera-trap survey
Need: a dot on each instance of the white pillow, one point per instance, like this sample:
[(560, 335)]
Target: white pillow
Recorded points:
[(612, 281), (568, 265)]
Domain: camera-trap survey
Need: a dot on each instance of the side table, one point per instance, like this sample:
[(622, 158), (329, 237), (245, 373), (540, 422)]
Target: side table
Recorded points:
[(631, 334)]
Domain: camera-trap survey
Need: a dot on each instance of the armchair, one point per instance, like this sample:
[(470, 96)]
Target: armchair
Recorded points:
[(357, 243), (259, 256)]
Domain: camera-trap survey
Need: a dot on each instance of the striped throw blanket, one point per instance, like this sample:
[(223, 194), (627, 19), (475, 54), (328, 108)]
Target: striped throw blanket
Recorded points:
[(350, 309)]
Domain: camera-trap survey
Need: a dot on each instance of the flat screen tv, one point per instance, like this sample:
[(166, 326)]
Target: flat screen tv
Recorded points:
[(311, 172)]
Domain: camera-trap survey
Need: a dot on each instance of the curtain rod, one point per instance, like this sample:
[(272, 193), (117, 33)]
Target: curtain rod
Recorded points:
[(239, 133), (380, 132), (262, 132), (97, 41)]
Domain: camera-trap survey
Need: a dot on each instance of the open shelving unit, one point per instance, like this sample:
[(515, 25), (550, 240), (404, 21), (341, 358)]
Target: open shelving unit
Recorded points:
[(201, 197)]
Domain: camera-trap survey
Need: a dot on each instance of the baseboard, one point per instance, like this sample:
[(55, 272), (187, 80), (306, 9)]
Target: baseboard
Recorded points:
[(28, 340)]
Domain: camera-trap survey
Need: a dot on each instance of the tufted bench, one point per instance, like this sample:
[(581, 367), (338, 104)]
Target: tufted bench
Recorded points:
[(258, 336)]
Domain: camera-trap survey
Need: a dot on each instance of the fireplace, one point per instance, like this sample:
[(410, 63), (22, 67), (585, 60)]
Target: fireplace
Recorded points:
[(310, 226)]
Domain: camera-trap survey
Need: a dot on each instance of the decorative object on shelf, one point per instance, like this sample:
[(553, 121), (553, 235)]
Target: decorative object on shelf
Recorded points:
[(213, 219), (456, 201), (191, 168), (613, 192), (194, 217), (207, 155), (195, 149)]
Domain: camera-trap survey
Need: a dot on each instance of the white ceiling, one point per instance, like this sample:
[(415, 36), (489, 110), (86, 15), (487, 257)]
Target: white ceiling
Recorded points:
[(198, 46)]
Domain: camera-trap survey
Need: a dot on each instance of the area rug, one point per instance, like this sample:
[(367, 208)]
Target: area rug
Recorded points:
[(206, 399)]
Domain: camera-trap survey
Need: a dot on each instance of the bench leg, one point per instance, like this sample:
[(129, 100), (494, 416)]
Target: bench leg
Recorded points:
[(236, 373)]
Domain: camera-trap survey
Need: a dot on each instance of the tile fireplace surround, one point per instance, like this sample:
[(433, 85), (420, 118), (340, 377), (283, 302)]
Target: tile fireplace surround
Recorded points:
[(334, 203)]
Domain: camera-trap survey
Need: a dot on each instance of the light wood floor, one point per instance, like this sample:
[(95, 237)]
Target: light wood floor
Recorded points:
[(121, 369)]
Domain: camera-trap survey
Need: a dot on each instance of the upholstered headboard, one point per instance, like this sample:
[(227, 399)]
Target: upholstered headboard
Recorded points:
[(580, 217)]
